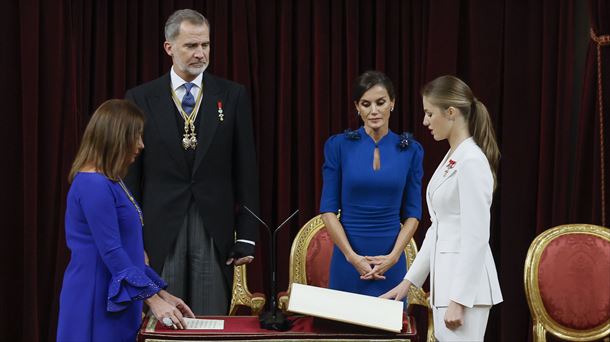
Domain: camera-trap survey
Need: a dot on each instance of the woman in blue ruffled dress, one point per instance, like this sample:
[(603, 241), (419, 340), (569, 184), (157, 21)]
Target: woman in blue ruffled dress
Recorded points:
[(373, 177), (107, 279)]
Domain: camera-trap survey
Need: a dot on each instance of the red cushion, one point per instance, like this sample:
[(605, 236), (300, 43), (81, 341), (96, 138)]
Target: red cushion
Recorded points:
[(318, 259), (574, 280)]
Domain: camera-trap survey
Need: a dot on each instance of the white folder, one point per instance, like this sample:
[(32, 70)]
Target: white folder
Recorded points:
[(346, 307)]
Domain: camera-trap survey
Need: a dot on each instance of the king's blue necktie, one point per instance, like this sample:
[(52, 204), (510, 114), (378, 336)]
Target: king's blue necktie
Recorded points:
[(188, 101)]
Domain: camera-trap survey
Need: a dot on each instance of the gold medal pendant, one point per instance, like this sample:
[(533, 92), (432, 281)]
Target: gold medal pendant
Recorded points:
[(193, 141), (193, 136), (186, 142), (189, 139)]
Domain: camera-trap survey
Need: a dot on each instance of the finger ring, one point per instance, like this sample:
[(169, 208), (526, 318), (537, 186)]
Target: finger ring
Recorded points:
[(168, 322)]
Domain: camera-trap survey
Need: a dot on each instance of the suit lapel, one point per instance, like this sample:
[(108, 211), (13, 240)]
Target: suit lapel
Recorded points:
[(209, 117), (437, 177), (162, 112), (440, 176)]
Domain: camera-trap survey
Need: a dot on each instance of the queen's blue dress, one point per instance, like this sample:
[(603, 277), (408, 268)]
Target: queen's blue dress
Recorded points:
[(106, 279), (373, 203)]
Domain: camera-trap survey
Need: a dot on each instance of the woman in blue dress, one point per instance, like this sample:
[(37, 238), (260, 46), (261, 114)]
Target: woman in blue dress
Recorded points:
[(107, 279), (373, 177)]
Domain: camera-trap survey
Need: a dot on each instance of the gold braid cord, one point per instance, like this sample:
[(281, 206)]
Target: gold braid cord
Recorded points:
[(603, 40)]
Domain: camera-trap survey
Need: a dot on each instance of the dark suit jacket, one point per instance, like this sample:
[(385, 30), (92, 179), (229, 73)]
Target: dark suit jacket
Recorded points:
[(223, 177)]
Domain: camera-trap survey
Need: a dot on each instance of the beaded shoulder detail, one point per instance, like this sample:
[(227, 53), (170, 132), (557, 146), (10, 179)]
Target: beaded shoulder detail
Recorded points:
[(404, 140), (351, 135)]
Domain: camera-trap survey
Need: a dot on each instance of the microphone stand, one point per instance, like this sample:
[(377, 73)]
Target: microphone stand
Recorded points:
[(272, 319)]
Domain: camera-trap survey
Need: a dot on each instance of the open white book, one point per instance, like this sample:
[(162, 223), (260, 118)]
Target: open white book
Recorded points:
[(346, 307)]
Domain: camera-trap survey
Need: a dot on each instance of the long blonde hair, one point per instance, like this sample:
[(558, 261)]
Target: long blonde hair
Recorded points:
[(109, 139), (449, 91)]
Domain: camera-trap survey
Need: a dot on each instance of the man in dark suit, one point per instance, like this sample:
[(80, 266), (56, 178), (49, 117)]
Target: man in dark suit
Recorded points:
[(197, 173)]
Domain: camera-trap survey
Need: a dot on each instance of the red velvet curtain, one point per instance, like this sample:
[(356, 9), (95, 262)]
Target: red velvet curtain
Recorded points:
[(591, 202), (298, 58), (41, 124)]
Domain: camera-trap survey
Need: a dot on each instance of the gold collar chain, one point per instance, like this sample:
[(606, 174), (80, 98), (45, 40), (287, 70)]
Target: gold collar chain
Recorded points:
[(133, 200), (189, 138)]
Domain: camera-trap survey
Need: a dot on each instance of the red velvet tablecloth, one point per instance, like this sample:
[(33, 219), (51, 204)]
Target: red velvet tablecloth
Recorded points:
[(246, 328)]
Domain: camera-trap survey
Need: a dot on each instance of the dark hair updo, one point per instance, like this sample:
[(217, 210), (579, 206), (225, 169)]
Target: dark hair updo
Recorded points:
[(370, 79)]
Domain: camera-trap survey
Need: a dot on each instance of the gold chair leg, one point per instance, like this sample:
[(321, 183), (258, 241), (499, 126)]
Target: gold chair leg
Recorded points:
[(539, 332)]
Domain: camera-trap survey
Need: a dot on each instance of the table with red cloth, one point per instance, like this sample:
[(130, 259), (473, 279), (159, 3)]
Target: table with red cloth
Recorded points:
[(246, 328)]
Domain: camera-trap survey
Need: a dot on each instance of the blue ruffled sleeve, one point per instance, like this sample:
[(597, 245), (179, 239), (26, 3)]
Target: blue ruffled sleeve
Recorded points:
[(411, 201), (150, 273), (330, 201), (133, 285), (127, 286), (129, 282)]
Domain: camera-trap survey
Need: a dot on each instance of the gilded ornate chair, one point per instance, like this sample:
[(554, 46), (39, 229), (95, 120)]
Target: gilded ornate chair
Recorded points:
[(567, 283), (309, 264), (241, 297)]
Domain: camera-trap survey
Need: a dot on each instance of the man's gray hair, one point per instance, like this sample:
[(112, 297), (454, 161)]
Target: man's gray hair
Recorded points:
[(172, 25)]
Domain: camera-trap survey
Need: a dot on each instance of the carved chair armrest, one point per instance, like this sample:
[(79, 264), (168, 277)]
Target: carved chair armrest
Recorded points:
[(282, 300), (241, 295)]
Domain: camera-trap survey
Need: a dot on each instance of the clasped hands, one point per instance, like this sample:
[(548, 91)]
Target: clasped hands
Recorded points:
[(372, 267)]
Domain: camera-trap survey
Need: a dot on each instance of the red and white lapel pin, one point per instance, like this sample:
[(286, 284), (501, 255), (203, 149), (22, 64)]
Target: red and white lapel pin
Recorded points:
[(450, 165), (221, 116)]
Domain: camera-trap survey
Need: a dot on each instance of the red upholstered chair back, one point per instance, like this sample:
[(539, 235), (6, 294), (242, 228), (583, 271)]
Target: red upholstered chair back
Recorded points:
[(309, 258), (319, 253), (567, 281), (310, 254)]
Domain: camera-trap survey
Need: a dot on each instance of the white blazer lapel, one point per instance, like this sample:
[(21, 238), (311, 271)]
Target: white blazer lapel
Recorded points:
[(436, 178), (447, 168)]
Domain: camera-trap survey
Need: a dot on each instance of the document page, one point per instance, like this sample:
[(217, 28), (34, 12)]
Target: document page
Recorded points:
[(204, 324)]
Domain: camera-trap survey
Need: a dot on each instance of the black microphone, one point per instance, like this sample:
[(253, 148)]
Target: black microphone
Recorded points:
[(272, 319)]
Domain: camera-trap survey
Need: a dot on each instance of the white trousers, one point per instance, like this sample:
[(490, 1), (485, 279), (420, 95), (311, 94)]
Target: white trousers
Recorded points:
[(473, 329)]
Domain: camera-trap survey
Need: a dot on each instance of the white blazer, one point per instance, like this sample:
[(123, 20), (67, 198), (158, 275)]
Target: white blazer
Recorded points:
[(456, 250)]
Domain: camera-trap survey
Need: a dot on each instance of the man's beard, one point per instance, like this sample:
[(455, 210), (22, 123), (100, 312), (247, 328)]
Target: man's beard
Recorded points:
[(196, 71)]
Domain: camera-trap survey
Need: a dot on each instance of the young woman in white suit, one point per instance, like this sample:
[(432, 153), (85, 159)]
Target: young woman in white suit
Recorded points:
[(455, 252)]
